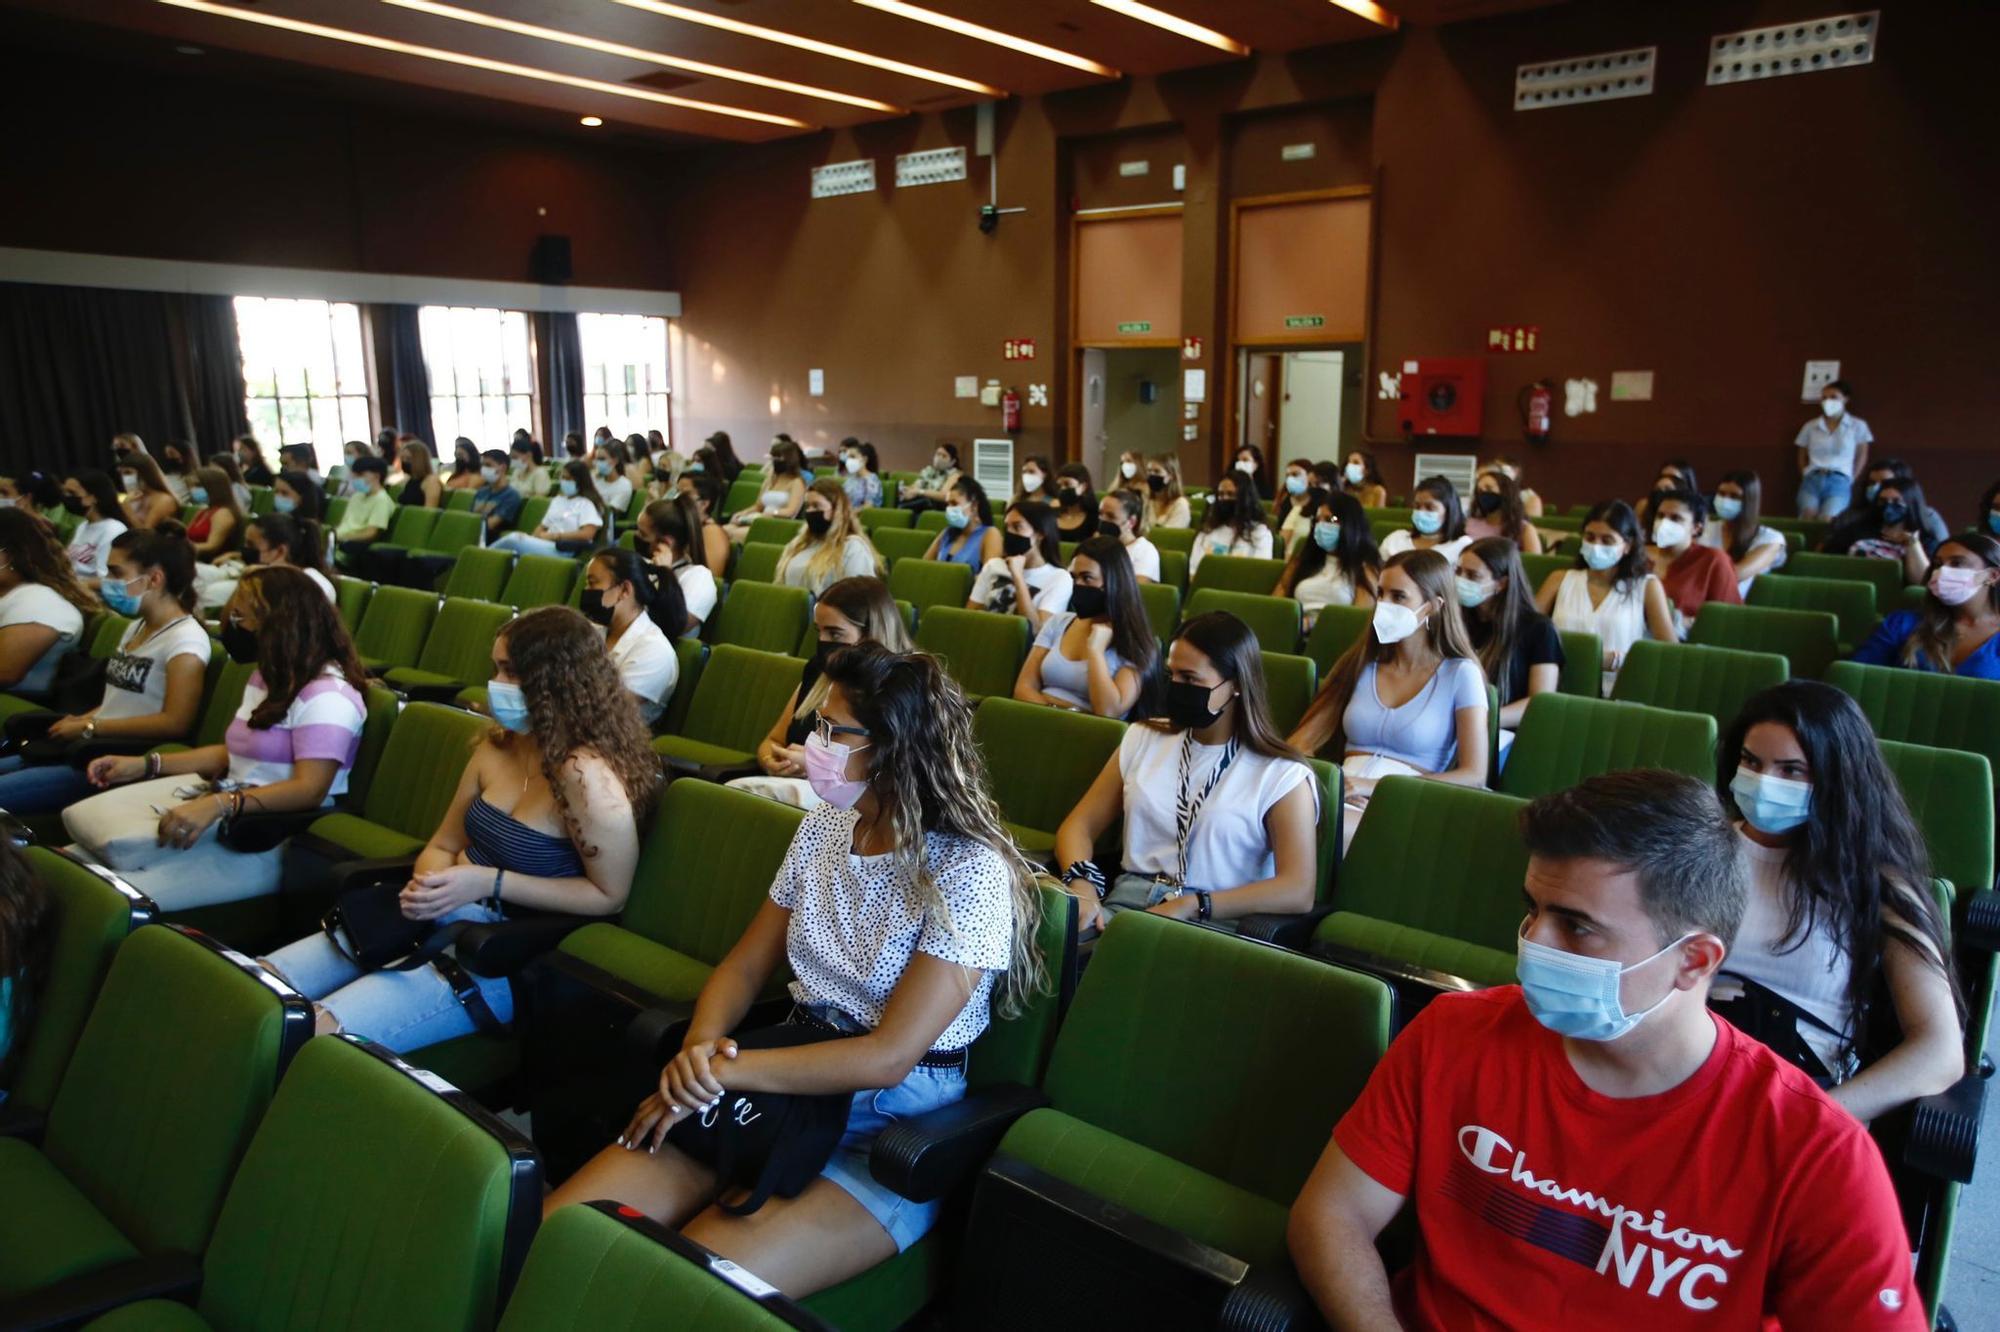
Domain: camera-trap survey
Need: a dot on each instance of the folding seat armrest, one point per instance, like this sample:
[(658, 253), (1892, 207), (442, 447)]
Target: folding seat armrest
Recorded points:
[(1982, 921), (261, 830), (1269, 1299), (1283, 929), (721, 773), (674, 766), (1944, 1130), (77, 1299), (503, 948), (18, 1121), (445, 693), (926, 1156)]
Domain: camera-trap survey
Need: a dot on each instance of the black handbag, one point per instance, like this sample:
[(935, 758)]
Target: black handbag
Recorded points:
[(1769, 1018), (377, 931), (768, 1142)]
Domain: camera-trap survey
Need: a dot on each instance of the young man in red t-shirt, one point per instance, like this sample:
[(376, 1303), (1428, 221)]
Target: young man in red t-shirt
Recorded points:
[(1594, 1148)]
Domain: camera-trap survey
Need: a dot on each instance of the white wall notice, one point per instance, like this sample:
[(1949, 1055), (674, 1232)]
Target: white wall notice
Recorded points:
[(1194, 386), (816, 383), (1818, 375)]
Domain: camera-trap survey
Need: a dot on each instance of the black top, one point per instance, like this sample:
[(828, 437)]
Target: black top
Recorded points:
[(413, 493), (256, 474), (803, 722), (1536, 643)]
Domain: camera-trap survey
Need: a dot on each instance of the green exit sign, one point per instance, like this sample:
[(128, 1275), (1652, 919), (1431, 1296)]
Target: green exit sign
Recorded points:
[(1305, 321), (1136, 326)]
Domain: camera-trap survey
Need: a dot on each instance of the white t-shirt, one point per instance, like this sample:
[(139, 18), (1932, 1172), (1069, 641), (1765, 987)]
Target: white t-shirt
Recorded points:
[(135, 679), (994, 588), (1329, 587), (1832, 445), (647, 666), (1403, 539), (857, 560), (32, 603), (1145, 557), (698, 590), (90, 545), (1228, 846), (571, 513), (1225, 541), (616, 492), (323, 722), (1765, 536), (856, 922)]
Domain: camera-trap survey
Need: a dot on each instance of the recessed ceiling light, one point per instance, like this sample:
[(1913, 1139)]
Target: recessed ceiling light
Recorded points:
[(984, 34), (637, 53), (480, 62), (797, 42), (1371, 11), (1174, 23), (591, 122), (190, 50)]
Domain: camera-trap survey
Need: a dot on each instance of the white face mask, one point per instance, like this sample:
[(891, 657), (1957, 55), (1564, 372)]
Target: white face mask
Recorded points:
[(1031, 482), (1394, 623), (1245, 466), (1128, 470), (1833, 407), (1355, 473), (1955, 586), (1669, 533), (853, 465)]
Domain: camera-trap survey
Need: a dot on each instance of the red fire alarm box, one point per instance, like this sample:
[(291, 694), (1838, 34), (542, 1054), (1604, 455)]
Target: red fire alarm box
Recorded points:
[(1443, 395)]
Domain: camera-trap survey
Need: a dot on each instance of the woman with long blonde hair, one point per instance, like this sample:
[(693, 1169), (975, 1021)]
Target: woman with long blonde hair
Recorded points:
[(830, 546), (1166, 506)]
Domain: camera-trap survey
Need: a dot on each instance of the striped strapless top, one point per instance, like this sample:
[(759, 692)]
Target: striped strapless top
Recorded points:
[(504, 842)]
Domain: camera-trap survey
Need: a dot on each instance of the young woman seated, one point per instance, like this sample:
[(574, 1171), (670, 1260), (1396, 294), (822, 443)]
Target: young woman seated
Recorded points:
[(1497, 510), (526, 471), (1957, 629), (546, 818), (784, 489), (853, 610), (1531, 503), (1675, 474), (153, 682), (670, 537), (831, 546), (905, 915), (1100, 655), (1293, 509), (1028, 578), (1363, 480), (1131, 472), (969, 536), (1034, 480), (91, 497), (421, 485), (572, 522), (1409, 698), (1251, 468), (933, 484), (607, 472), (1233, 523), (464, 466), (1076, 502), (28, 925), (1692, 573), (705, 490), (1219, 813), (1892, 528), (1337, 565), (1166, 506), (640, 608), (149, 500), (1518, 647), (1121, 515), (249, 456), (1739, 532), (217, 528), (1612, 591), (861, 482), (276, 540), (1840, 915), (1437, 522), (289, 748), (42, 605)]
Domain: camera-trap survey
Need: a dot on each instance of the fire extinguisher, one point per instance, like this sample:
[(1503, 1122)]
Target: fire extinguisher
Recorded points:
[(1010, 412), (1538, 403)]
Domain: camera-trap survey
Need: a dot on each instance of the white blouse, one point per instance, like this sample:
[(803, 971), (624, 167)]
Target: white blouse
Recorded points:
[(1226, 541), (1228, 846)]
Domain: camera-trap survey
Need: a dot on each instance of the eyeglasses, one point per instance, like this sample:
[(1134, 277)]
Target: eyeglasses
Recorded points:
[(826, 730)]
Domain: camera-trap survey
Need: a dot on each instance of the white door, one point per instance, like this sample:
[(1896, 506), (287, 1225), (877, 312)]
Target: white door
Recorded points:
[(1309, 406), (1092, 439)]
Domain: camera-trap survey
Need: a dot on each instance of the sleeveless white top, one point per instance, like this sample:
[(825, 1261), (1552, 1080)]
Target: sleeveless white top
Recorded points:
[(1619, 620), (1812, 975)]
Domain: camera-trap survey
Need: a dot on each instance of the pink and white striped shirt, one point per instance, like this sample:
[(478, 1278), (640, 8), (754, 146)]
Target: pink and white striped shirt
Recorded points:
[(324, 722)]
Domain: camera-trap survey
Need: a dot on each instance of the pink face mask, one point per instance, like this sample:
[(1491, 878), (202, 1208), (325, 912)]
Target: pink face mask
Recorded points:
[(1954, 586), (826, 772)]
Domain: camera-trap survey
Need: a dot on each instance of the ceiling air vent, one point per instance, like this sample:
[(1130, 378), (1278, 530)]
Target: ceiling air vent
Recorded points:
[(660, 80), (1597, 78), (1834, 42)]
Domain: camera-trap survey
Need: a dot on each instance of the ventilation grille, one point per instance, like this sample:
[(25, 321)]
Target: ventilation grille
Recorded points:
[(660, 80), (1597, 78), (837, 178), (934, 167), (1794, 48)]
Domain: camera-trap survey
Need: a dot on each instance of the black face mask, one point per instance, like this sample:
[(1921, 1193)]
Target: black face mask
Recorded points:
[(1223, 509), (1087, 602), (592, 605), (1108, 528), (1156, 484), (1893, 513), (1069, 498), (643, 546), (1013, 543), (73, 504), (1187, 704), (239, 643), (1486, 501), (819, 524)]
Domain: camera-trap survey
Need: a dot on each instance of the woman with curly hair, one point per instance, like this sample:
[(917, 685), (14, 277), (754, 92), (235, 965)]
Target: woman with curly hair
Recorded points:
[(42, 604), (907, 916), (546, 818)]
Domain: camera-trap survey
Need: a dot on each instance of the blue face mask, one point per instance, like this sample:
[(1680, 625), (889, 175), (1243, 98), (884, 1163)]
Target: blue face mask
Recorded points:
[(1294, 484), (1601, 557), (1428, 521), (283, 503), (696, 468), (1993, 522), (1577, 996), (956, 517), (360, 486), (118, 596), (568, 488), (199, 495), (1771, 804), (1728, 507), (508, 705), (1326, 535)]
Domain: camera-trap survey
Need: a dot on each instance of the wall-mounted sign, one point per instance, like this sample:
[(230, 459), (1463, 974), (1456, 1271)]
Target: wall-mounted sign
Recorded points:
[(1296, 152), (1134, 168), (1038, 395), (1631, 386), (965, 386), (816, 383), (1018, 349), (1190, 349), (1305, 321), (1194, 386), (1514, 338), (1136, 326)]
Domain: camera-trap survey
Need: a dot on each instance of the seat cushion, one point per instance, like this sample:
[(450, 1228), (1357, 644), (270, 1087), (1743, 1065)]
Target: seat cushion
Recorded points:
[(699, 751), (48, 1229), (367, 840), (637, 960), (1157, 1187), (151, 1316), (409, 677), (1406, 943), (889, 1294)]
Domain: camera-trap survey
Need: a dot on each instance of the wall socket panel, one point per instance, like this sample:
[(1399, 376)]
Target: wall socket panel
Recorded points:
[(836, 178), (933, 167), (1596, 78), (1834, 42)]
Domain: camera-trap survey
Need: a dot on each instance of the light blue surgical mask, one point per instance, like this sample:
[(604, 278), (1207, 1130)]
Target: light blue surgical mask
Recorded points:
[(1771, 804), (1471, 594), (1428, 521), (283, 504), (508, 705), (360, 486), (1728, 508), (696, 468), (1577, 996), (1993, 522), (199, 495), (568, 488), (1602, 556), (955, 516), (1326, 535), (1294, 484), (117, 594)]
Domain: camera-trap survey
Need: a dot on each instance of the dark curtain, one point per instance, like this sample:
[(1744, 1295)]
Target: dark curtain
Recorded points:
[(214, 371), (565, 379), (409, 380), (80, 364)]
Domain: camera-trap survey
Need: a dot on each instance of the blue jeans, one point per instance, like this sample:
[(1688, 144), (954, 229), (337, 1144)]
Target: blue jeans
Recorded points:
[(45, 788), (521, 543), (1824, 493)]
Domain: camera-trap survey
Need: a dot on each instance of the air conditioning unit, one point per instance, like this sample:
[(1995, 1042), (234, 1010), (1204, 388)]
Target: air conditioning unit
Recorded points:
[(1458, 468), (993, 466)]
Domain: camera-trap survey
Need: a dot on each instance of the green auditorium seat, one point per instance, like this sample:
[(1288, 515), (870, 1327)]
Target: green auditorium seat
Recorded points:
[(1885, 576), (261, 498), (336, 509), (1040, 761), (94, 911), (1583, 663), (480, 573), (1163, 608), (408, 792), (773, 531), (533, 510), (1691, 678), (97, 639), (373, 1196), (1275, 620), (928, 583), (1131, 1145), (455, 533), (757, 562), (982, 650), (170, 1077), (1387, 519), (457, 655), (409, 529), (1808, 639), (876, 518), (899, 544), (930, 520), (1537, 568), (1951, 794), (1334, 631), (351, 595), (223, 696), (1291, 680), (540, 580), (761, 616), (1236, 573), (394, 627), (1812, 530), (737, 700), (458, 501), (1564, 739), (1925, 708), (1174, 569), (1173, 538), (1852, 603), (693, 655), (744, 493)]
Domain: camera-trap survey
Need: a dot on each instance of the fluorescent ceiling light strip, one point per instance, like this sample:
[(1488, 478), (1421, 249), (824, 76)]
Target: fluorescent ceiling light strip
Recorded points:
[(480, 62), (797, 42), (1371, 11), (993, 35), (1173, 23), (637, 53)]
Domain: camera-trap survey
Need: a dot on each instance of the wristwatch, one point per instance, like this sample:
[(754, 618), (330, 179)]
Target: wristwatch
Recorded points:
[(90, 729), (1203, 904)]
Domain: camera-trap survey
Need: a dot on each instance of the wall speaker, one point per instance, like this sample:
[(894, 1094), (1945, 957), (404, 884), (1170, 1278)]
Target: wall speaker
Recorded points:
[(550, 263)]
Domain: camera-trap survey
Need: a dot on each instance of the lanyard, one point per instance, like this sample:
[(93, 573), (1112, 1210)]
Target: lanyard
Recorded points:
[(1185, 810)]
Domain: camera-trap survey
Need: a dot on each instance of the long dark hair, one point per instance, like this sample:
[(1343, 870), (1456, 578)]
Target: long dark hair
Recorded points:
[(1233, 650), (301, 635), (32, 551), (1930, 646), (1086, 499), (1511, 517), (303, 539), (655, 587), (1247, 513), (1124, 609), (1354, 554), (975, 494), (578, 471), (312, 501), (1866, 522), (724, 453), (1618, 516), (1444, 492), (102, 492), (27, 937), (1042, 519), (677, 519), (1740, 531), (1503, 612), (1860, 853), (165, 548), (460, 464)]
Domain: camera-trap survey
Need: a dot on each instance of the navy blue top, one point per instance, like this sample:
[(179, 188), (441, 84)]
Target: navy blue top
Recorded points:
[(1885, 648), (504, 842)]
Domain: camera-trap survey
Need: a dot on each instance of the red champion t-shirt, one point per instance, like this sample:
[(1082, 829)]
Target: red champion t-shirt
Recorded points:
[(1742, 1195)]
